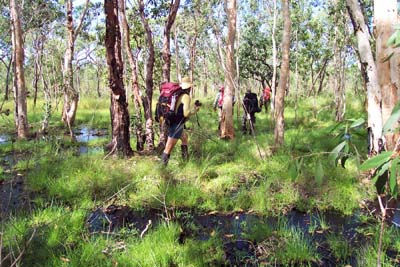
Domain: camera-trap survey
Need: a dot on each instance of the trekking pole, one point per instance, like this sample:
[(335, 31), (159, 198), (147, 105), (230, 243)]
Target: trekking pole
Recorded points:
[(253, 132)]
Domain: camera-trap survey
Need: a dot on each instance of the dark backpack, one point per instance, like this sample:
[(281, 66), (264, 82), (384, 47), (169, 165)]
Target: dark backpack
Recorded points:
[(165, 108), (250, 103)]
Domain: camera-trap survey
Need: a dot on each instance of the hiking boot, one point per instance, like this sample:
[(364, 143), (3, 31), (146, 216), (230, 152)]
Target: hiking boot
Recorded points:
[(164, 158), (185, 152)]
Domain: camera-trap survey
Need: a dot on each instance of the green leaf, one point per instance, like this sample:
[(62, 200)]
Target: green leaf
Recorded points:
[(319, 173), (392, 119), (376, 161), (357, 123), (394, 171), (335, 152)]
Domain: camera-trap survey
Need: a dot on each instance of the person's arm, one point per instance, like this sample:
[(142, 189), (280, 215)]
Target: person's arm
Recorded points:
[(187, 109)]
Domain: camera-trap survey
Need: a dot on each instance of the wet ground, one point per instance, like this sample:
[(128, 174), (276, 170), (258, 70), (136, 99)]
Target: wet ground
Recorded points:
[(233, 229), (14, 196)]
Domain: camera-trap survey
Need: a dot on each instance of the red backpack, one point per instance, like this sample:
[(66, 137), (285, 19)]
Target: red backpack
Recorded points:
[(169, 93), (267, 94)]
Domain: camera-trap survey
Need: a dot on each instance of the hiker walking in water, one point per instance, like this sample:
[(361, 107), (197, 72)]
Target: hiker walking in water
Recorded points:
[(265, 99), (179, 109), (218, 103), (250, 106)]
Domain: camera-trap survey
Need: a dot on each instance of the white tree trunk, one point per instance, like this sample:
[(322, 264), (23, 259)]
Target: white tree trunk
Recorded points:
[(374, 97), (20, 90), (385, 18)]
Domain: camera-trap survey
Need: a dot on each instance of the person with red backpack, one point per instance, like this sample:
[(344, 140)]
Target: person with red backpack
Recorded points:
[(175, 113), (265, 98)]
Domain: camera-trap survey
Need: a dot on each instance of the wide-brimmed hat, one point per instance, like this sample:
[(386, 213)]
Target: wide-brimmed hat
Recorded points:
[(186, 83)]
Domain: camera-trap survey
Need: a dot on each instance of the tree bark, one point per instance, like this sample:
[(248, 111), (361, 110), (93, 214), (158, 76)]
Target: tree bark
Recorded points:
[(274, 64), (284, 76), (147, 104), (20, 90), (166, 53), (119, 108), (7, 81), (71, 95), (178, 74), (227, 130), (385, 18), (374, 97), (137, 101)]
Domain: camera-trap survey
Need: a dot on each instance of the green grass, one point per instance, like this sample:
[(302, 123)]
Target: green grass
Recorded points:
[(220, 176)]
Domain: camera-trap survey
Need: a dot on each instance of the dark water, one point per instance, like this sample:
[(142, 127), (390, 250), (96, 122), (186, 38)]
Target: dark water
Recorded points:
[(232, 228)]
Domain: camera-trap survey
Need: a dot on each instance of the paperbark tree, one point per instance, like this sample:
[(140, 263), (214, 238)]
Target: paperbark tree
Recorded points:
[(137, 101), (284, 76), (385, 18), (227, 130), (149, 80), (71, 95), (119, 107), (374, 97), (21, 118)]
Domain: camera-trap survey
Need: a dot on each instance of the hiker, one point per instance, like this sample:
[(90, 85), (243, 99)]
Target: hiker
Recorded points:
[(265, 99), (180, 111), (218, 103), (250, 106)]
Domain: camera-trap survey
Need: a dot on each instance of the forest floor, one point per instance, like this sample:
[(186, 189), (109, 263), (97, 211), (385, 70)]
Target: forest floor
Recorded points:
[(233, 203)]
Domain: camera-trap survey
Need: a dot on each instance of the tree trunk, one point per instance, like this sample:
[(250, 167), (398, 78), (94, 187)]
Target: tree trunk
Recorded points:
[(119, 108), (205, 70), (339, 90), (374, 97), (274, 55), (20, 90), (71, 96), (385, 18), (192, 59), (7, 81), (166, 54), (166, 67), (227, 130), (178, 74), (149, 81), (284, 76), (137, 101)]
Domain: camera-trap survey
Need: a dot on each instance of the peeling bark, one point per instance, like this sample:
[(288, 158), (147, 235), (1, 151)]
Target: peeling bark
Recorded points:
[(119, 107), (284, 77)]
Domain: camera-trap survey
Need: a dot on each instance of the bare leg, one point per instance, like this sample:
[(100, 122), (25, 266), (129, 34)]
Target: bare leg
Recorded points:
[(171, 142)]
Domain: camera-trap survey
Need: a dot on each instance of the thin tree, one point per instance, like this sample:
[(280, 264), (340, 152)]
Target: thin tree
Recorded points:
[(227, 130), (119, 107), (21, 118), (147, 104), (385, 18), (374, 97), (274, 55), (166, 53), (284, 76), (71, 95), (137, 100), (166, 56)]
